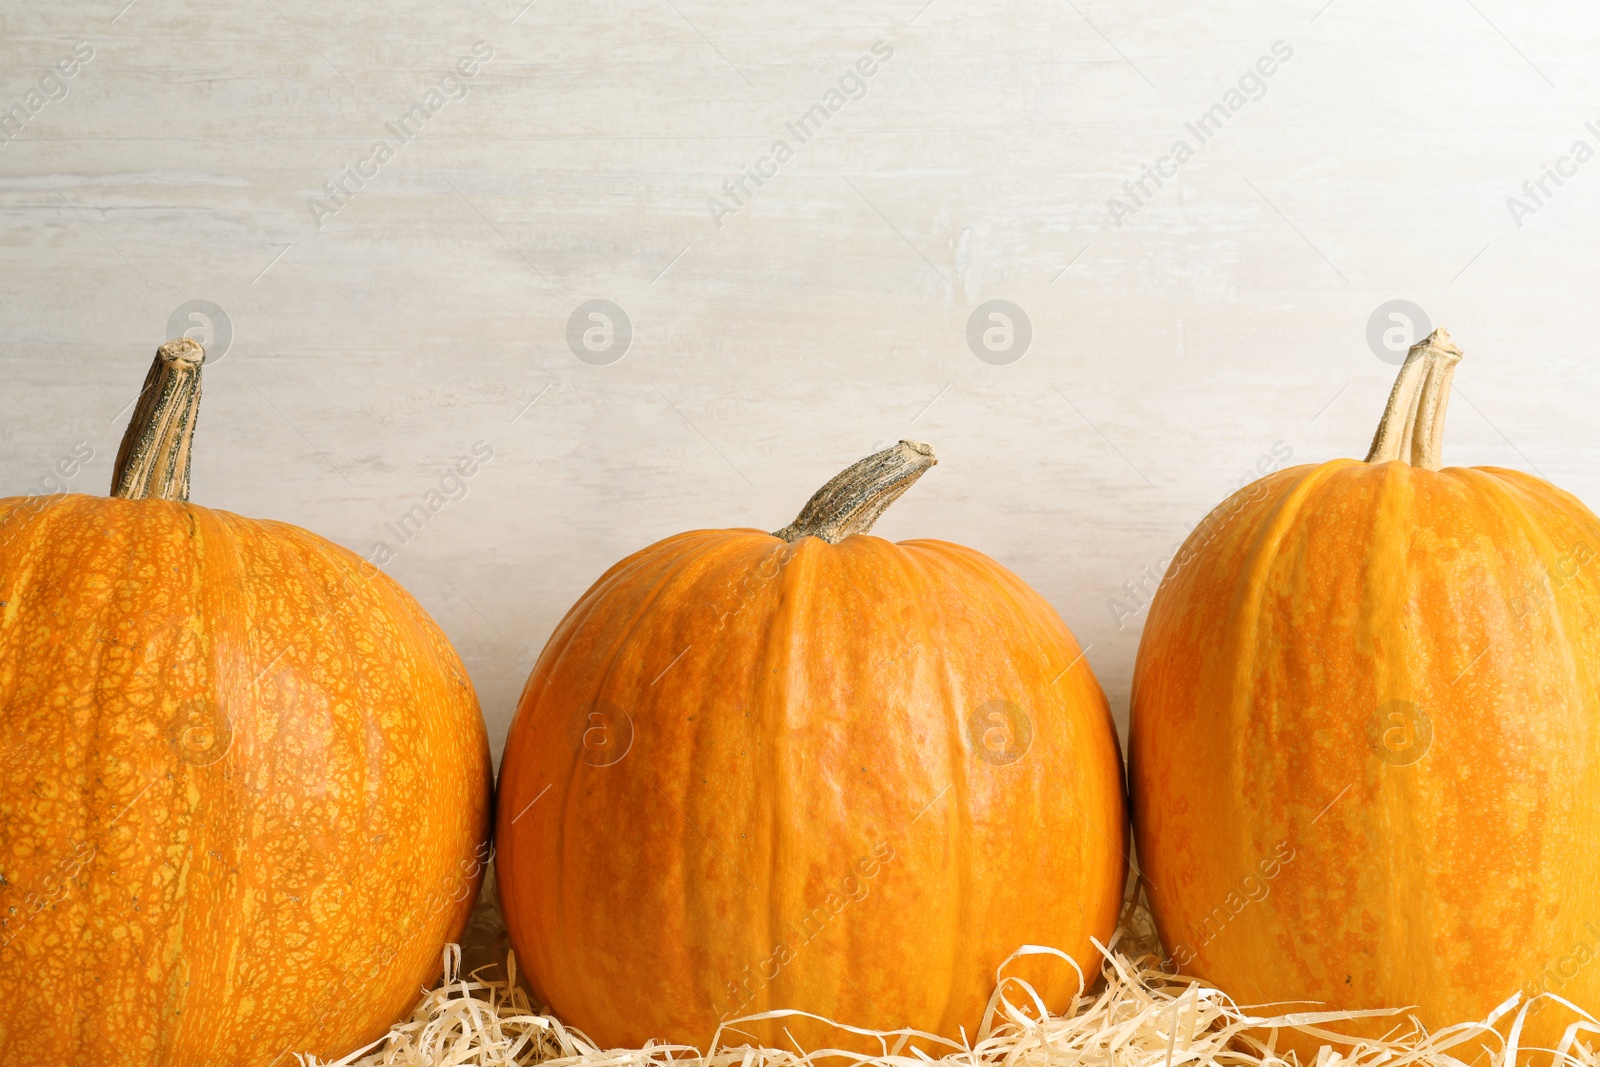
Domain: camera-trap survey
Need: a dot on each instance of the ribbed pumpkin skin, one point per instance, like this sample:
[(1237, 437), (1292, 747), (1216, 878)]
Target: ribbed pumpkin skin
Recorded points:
[(800, 740), (1262, 713), (241, 789)]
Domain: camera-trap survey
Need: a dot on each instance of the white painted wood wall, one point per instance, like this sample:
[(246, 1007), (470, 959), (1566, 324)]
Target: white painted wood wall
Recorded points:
[(1222, 324)]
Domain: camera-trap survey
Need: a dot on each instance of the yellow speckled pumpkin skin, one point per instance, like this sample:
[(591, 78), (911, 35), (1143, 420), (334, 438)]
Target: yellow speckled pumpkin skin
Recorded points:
[(1364, 746), (748, 775), (244, 789)]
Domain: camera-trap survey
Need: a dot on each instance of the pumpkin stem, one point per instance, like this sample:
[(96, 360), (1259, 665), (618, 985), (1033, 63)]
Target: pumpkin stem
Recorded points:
[(855, 497), (154, 458), (1412, 429)]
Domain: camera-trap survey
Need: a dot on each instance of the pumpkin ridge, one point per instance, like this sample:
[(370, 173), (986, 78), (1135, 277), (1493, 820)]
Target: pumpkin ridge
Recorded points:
[(1514, 509), (300, 553), (919, 565), (658, 554), (630, 570), (37, 536), (1057, 731), (723, 562), (211, 589), (1383, 641), (665, 575), (780, 636), (1531, 517), (46, 549), (353, 664), (1421, 505), (532, 706), (238, 656), (227, 626), (742, 553), (1562, 508), (107, 608), (1242, 646), (1557, 668), (914, 571), (1386, 639), (110, 711), (1531, 511), (1261, 551), (1510, 536)]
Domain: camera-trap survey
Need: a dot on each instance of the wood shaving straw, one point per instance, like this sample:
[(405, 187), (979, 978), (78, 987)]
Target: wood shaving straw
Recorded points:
[(1137, 1016)]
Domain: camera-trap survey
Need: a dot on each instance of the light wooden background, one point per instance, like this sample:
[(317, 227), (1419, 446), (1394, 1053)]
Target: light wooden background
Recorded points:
[(1169, 354)]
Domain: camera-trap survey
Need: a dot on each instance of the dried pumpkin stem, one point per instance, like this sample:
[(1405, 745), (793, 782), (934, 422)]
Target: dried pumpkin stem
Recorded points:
[(154, 458), (852, 501), (1412, 429)]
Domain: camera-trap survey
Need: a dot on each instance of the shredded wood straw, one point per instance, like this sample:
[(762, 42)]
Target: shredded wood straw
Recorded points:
[(1137, 1016)]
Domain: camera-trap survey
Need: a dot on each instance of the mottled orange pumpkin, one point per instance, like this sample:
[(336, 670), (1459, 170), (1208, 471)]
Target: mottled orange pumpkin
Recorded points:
[(1365, 746), (244, 782), (809, 770)]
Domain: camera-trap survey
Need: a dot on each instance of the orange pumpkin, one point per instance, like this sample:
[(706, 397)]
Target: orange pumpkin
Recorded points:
[(809, 770), (244, 781), (1365, 743)]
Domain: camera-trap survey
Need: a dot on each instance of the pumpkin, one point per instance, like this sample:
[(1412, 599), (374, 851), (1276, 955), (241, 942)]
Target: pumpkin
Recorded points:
[(811, 770), (1365, 736), (244, 780)]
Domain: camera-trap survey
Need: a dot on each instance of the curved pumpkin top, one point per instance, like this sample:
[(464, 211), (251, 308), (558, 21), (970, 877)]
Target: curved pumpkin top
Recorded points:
[(847, 506), (1403, 464), (148, 512), (150, 499)]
